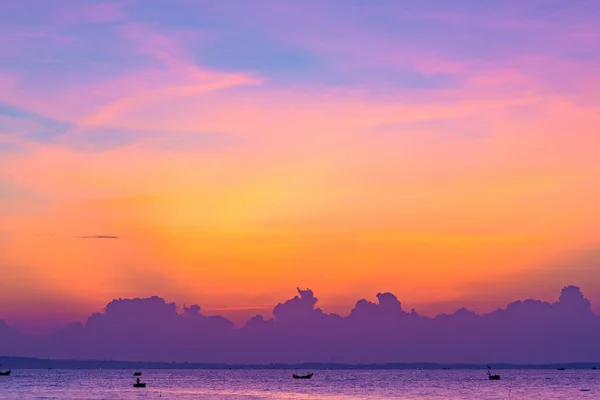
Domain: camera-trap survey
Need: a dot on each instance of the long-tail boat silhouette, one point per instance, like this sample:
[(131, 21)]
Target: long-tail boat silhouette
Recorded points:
[(137, 373), (307, 376), (561, 369), (492, 377), (139, 384), (7, 373)]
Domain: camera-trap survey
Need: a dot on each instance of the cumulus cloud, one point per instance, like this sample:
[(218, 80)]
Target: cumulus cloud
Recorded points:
[(154, 329)]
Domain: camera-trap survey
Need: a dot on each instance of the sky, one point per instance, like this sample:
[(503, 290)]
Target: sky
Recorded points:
[(225, 153)]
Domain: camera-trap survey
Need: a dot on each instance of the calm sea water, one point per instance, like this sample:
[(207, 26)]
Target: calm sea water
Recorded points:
[(278, 384)]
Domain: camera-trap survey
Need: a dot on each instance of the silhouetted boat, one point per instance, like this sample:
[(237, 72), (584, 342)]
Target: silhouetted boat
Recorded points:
[(139, 384), (308, 376), (594, 368), (561, 369), (137, 373), (492, 377), (7, 373)]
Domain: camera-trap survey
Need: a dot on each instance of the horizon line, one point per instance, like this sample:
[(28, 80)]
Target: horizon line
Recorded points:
[(397, 365)]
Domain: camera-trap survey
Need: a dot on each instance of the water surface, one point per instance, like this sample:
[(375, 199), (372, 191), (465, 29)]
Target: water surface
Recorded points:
[(278, 384)]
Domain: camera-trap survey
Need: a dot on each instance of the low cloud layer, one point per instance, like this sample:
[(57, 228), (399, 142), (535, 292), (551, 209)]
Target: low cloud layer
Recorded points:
[(152, 329)]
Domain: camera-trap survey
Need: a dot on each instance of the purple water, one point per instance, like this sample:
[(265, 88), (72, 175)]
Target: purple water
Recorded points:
[(278, 384)]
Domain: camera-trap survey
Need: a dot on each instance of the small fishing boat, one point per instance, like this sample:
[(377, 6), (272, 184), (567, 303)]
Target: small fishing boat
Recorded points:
[(307, 376), (7, 373), (493, 377), (561, 369), (137, 373), (139, 384), (594, 368)]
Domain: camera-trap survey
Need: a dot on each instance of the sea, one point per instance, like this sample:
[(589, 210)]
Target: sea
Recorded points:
[(278, 384)]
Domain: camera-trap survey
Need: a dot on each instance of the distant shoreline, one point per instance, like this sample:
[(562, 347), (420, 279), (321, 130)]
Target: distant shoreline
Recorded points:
[(42, 363)]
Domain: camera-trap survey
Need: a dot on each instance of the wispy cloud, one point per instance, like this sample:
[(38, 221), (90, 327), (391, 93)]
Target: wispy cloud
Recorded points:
[(38, 127), (98, 237), (183, 79)]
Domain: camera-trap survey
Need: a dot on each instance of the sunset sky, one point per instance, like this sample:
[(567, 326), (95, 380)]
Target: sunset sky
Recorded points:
[(230, 151)]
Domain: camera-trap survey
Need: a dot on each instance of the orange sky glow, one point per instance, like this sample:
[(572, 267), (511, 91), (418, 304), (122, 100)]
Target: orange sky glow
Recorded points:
[(230, 188)]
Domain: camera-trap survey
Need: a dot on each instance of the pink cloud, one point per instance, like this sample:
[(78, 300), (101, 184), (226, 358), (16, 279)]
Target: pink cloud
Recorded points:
[(181, 78)]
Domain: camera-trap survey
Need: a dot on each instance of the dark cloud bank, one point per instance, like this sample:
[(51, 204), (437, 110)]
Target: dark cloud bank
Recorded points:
[(528, 332)]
